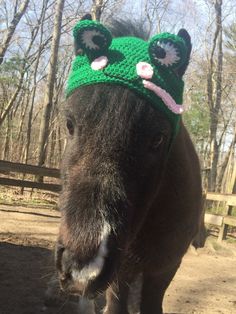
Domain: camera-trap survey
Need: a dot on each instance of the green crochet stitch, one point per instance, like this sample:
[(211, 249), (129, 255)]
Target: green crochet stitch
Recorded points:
[(147, 68)]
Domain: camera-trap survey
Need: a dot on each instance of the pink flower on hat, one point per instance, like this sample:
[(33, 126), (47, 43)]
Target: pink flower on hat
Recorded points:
[(99, 63), (144, 70)]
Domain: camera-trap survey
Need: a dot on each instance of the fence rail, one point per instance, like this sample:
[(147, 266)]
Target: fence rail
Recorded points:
[(222, 221), (8, 167), (225, 219), (229, 198), (30, 184)]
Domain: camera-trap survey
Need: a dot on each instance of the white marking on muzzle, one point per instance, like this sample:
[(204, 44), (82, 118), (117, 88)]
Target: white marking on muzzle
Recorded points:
[(93, 269)]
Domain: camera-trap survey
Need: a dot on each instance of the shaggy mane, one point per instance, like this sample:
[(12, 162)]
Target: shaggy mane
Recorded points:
[(122, 28)]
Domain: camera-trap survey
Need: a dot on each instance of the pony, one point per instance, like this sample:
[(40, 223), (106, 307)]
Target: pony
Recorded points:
[(131, 185)]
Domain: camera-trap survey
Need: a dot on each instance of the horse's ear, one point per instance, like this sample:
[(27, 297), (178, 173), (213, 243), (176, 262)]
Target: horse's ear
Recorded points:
[(87, 16), (187, 39), (77, 49)]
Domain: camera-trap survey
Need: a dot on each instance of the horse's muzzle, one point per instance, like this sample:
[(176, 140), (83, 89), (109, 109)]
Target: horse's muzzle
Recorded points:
[(82, 279)]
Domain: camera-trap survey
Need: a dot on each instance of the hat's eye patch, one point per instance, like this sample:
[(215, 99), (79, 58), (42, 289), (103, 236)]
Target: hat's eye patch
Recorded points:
[(167, 50), (165, 53), (93, 39)]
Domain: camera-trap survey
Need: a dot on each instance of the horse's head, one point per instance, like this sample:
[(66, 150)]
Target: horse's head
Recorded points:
[(120, 127)]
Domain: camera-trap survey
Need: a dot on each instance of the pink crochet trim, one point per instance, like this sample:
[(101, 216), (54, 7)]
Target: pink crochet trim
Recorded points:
[(166, 97), (144, 70), (99, 63)]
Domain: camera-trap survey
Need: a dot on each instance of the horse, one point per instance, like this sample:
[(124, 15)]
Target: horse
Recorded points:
[(131, 184)]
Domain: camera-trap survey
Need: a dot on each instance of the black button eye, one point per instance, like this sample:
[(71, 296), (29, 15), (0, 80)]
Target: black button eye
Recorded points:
[(70, 126)]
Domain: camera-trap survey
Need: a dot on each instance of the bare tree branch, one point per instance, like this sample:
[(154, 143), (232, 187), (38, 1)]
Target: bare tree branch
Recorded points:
[(11, 29)]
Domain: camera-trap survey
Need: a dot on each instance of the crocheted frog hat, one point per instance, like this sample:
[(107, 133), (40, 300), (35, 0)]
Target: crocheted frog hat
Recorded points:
[(147, 68)]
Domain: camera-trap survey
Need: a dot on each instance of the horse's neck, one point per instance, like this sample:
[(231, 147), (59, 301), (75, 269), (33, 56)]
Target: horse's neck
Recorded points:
[(182, 173)]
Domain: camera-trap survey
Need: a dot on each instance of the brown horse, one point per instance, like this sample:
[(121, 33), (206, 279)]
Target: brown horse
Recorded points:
[(130, 204)]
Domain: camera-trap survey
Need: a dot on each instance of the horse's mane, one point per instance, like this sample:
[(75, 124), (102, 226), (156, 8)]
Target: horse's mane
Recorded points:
[(136, 28), (121, 28)]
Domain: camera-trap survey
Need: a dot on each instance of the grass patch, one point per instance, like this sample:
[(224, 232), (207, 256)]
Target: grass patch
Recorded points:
[(14, 196)]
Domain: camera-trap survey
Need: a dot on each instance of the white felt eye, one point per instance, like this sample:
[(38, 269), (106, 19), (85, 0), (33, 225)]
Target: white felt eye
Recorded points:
[(90, 38), (169, 53)]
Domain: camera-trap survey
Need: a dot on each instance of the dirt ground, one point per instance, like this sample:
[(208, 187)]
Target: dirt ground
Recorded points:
[(205, 282)]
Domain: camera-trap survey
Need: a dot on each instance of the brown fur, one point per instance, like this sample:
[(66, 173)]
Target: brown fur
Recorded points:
[(122, 168), (151, 197)]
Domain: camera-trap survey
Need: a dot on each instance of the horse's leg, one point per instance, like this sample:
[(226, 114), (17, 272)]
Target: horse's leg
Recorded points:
[(153, 290), (117, 299)]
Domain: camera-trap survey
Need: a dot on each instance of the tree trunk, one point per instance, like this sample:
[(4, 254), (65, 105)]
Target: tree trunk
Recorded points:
[(51, 157), (6, 149), (30, 116), (226, 170), (25, 66), (59, 144), (12, 101), (48, 101), (214, 97), (96, 10), (11, 29)]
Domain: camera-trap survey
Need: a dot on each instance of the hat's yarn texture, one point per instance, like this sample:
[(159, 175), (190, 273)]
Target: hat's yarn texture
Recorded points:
[(130, 62)]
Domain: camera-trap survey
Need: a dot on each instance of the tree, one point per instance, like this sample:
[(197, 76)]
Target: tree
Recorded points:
[(155, 11), (104, 8), (214, 94), (11, 29), (96, 9), (29, 125), (48, 101)]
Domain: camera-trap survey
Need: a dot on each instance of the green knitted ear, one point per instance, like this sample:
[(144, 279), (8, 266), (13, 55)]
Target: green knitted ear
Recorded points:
[(91, 38), (167, 50)]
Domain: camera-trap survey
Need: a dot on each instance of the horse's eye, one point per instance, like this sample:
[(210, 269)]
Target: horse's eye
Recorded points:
[(70, 126), (155, 145)]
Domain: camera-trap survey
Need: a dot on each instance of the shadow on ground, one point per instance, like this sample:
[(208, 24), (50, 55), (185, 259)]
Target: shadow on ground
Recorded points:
[(24, 274)]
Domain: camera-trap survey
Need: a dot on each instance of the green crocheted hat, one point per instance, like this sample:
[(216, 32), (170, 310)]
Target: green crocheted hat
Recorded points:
[(147, 68)]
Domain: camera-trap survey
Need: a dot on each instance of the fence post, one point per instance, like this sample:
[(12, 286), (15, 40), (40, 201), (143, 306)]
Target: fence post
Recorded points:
[(224, 228)]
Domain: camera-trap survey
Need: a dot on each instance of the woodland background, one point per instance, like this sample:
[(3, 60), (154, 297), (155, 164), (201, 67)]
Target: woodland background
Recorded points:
[(36, 50)]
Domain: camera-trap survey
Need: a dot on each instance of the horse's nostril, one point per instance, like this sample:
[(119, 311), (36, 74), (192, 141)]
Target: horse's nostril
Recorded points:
[(65, 262), (64, 266), (64, 277)]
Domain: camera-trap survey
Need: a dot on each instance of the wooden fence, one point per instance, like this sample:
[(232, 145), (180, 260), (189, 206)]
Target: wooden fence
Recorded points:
[(225, 219), (222, 221), (7, 167)]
